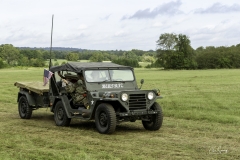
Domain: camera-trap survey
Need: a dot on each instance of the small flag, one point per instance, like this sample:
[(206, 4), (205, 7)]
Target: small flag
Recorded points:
[(46, 76)]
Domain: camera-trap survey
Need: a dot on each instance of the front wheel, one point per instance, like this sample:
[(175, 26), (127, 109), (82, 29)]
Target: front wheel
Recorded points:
[(105, 119), (25, 111), (60, 116), (155, 120)]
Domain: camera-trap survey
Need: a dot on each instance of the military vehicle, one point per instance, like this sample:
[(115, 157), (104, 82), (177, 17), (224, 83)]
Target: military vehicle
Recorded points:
[(113, 96)]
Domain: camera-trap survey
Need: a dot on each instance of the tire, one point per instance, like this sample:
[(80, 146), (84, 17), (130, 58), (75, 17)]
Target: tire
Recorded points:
[(25, 111), (156, 120), (60, 116), (105, 119)]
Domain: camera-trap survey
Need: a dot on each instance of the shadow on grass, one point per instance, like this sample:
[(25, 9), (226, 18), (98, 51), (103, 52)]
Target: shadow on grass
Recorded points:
[(89, 125), (43, 117)]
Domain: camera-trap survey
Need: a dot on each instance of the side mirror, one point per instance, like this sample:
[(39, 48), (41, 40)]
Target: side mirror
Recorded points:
[(142, 81)]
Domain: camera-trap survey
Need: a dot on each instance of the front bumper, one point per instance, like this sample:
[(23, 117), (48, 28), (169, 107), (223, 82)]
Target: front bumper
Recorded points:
[(136, 113)]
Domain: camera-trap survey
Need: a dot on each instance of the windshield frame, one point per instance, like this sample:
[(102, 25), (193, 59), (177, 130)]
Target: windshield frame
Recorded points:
[(109, 75)]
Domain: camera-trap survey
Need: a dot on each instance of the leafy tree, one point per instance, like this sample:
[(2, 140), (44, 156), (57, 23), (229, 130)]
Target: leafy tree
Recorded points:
[(186, 53), (175, 52), (167, 41), (9, 53), (32, 53), (218, 57), (56, 54), (138, 52), (112, 57), (37, 62), (72, 57), (199, 49), (46, 55), (24, 61), (126, 62), (96, 57), (86, 54), (147, 58), (130, 55), (155, 64), (166, 46), (1, 64), (183, 45)]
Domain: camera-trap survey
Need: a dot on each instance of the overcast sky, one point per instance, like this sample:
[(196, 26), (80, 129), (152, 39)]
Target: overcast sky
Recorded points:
[(118, 24)]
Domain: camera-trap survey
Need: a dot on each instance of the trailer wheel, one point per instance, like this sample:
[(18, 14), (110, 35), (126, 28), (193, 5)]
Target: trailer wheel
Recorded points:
[(25, 111), (60, 116), (105, 118), (155, 120)]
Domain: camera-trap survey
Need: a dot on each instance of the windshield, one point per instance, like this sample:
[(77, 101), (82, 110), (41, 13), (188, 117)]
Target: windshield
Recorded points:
[(109, 75)]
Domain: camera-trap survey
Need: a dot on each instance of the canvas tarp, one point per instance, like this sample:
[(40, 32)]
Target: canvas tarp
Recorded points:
[(79, 66), (36, 87)]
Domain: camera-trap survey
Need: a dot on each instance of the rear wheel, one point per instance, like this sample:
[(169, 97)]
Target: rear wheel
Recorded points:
[(105, 119), (60, 116), (155, 120), (25, 111)]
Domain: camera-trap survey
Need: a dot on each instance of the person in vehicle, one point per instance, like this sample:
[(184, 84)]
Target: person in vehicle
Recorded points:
[(77, 90)]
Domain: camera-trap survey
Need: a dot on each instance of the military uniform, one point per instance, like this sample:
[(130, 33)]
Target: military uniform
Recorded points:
[(77, 91)]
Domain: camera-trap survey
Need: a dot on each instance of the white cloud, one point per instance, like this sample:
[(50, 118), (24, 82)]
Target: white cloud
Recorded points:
[(219, 8), (120, 33), (157, 24), (169, 8), (116, 24), (82, 27)]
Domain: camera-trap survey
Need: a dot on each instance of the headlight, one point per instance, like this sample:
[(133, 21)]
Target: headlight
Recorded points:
[(124, 97), (150, 95)]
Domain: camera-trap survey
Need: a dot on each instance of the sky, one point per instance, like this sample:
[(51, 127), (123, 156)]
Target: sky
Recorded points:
[(118, 24)]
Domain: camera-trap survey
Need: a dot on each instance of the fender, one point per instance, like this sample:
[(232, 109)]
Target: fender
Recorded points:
[(29, 97), (66, 105)]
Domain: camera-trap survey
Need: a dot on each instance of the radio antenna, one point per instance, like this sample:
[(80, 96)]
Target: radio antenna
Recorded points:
[(50, 62)]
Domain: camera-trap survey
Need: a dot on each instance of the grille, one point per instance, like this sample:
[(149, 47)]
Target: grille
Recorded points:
[(137, 101)]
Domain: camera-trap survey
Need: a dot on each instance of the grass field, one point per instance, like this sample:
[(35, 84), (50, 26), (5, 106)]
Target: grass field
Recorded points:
[(201, 121)]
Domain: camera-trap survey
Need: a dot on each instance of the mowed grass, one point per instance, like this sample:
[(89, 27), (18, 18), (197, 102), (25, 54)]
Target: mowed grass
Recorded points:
[(201, 121), (210, 95)]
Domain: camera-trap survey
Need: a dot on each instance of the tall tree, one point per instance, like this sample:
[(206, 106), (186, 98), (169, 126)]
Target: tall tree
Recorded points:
[(167, 41), (183, 44), (175, 52)]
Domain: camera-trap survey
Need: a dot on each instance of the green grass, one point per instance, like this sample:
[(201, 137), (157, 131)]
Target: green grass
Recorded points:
[(210, 95), (201, 121)]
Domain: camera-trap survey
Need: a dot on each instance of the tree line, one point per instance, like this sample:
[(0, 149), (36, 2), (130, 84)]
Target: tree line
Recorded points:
[(13, 56), (173, 51)]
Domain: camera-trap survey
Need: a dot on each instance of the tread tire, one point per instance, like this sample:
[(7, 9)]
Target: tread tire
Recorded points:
[(60, 116), (156, 120), (105, 119), (25, 111)]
